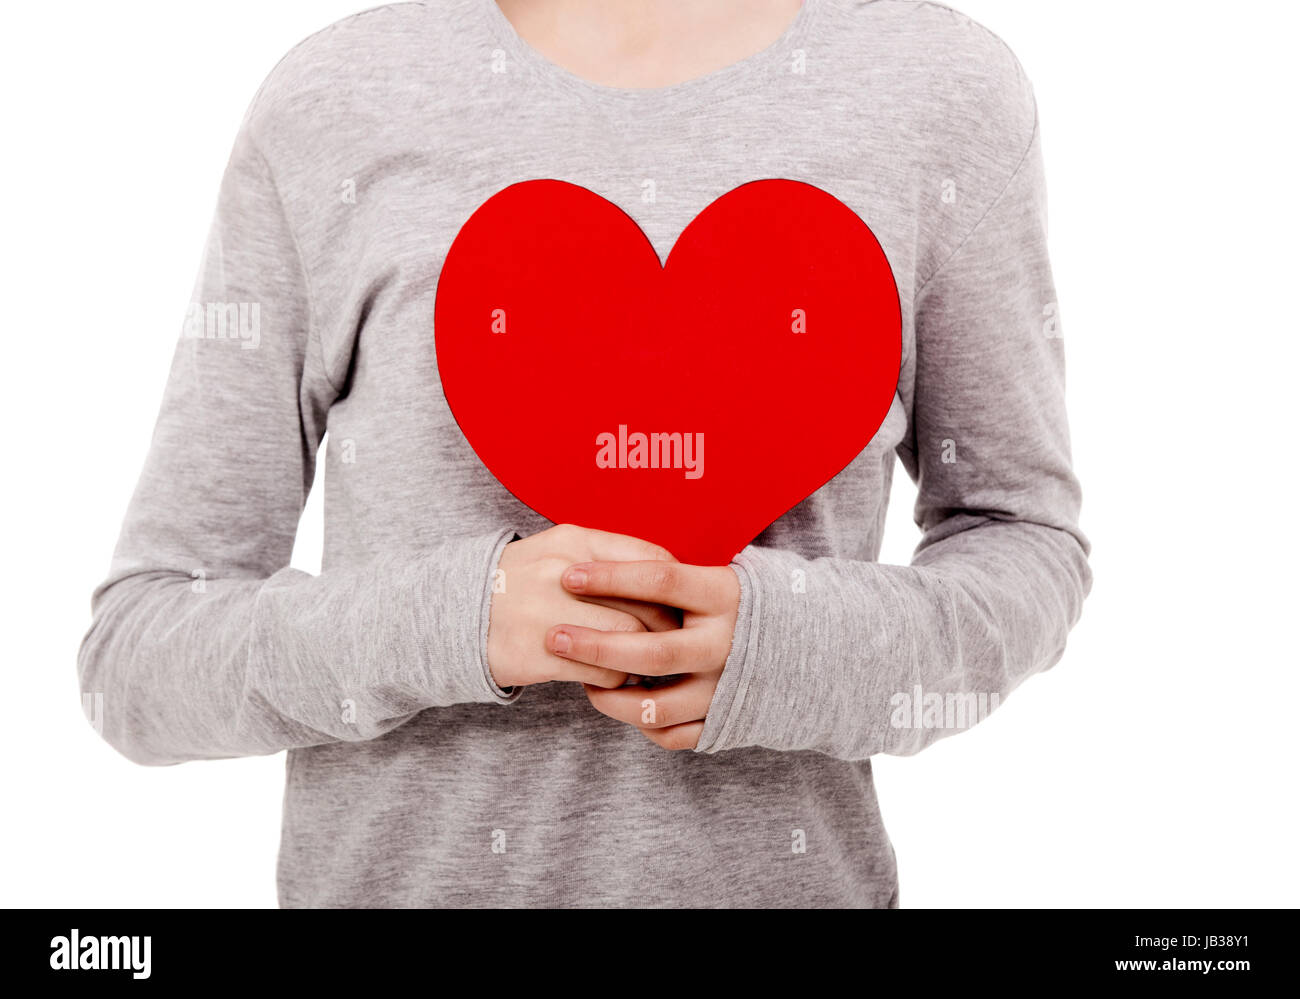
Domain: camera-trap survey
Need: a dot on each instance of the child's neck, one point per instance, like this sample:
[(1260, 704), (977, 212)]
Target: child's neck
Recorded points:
[(648, 43)]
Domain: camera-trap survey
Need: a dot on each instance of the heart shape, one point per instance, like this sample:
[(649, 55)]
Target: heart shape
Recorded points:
[(769, 342)]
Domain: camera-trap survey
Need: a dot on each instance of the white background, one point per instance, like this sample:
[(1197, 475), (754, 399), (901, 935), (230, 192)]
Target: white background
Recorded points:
[(1155, 766)]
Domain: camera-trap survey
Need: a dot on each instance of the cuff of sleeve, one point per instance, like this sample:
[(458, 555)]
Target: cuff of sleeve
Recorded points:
[(501, 695), (728, 699)]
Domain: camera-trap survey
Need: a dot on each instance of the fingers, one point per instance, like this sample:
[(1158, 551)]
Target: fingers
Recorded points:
[(592, 614), (606, 545), (653, 617), (678, 703), (678, 737), (592, 676), (690, 587), (612, 622), (647, 653)]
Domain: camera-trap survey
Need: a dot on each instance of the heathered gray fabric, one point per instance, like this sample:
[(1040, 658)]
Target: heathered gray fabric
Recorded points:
[(406, 764)]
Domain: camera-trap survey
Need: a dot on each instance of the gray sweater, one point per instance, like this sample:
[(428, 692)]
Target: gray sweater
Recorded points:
[(412, 779)]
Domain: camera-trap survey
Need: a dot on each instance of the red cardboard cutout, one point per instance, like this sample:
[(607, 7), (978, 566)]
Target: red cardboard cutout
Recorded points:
[(690, 404)]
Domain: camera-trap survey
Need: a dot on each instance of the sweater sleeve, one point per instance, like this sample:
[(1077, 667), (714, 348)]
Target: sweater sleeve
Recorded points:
[(204, 643), (870, 658)]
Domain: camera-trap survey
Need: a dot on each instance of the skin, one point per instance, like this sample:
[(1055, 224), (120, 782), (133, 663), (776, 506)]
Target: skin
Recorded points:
[(601, 609), (608, 611), (533, 599), (648, 43), (672, 716)]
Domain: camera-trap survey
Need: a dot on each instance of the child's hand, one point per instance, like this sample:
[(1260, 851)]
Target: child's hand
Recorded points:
[(672, 715), (533, 599)]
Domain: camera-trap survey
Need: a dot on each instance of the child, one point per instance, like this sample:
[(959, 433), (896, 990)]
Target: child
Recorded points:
[(456, 742)]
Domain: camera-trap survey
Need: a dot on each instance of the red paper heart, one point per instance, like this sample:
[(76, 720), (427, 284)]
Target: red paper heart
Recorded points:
[(555, 324)]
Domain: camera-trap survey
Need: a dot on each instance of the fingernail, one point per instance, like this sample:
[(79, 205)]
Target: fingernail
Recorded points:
[(575, 578), (562, 642)]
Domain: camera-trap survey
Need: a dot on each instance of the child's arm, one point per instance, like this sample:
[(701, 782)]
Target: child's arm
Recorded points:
[(1001, 572), (203, 643), (858, 661)]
